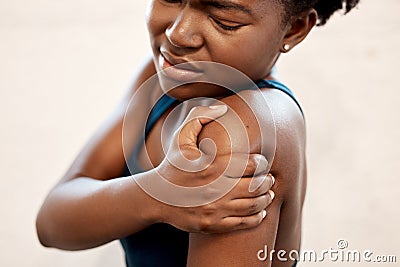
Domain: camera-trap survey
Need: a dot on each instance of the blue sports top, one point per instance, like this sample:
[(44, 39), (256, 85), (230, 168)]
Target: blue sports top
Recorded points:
[(162, 244)]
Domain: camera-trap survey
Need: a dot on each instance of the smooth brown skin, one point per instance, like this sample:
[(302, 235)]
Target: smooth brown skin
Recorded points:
[(86, 212)]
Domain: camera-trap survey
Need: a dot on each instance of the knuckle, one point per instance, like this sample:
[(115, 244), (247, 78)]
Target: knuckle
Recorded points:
[(254, 206), (209, 210), (205, 224), (184, 146), (242, 222)]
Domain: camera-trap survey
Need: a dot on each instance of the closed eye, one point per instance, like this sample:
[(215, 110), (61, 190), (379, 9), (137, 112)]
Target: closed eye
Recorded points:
[(227, 26), (173, 1)]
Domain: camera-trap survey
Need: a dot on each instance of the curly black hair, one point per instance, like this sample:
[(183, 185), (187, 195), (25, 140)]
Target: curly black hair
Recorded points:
[(324, 8)]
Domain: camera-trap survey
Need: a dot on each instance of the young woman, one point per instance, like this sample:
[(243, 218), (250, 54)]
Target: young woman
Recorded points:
[(97, 201)]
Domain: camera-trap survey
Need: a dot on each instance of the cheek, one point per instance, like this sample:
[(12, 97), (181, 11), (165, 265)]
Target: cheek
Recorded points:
[(251, 55), (157, 20), (153, 24)]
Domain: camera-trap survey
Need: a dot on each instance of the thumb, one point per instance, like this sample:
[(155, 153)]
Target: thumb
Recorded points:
[(197, 117)]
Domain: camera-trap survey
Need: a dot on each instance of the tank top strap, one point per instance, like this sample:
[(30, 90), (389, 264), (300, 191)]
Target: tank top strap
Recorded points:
[(165, 102), (279, 86), (161, 106)]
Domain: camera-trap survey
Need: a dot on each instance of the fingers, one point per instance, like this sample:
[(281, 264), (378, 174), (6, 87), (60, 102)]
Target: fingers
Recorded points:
[(244, 190), (232, 223), (251, 206), (250, 212), (239, 223), (242, 212), (244, 165), (195, 120)]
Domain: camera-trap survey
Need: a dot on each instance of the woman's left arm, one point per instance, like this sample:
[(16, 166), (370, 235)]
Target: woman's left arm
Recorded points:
[(245, 247)]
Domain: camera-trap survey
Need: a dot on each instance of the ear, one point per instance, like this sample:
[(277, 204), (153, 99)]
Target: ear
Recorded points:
[(298, 29)]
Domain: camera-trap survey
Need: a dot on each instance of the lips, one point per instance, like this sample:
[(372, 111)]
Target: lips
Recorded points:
[(178, 68)]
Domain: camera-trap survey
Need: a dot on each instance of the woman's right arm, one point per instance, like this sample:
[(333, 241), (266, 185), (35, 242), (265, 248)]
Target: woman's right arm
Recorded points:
[(87, 207), (92, 205)]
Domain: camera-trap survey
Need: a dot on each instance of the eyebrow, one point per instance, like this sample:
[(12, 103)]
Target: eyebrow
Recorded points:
[(228, 5)]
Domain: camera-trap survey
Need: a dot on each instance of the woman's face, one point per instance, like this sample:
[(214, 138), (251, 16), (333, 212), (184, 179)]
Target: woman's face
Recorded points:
[(244, 34)]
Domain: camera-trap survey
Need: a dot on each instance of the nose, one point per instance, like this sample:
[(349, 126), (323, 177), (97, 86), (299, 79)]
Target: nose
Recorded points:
[(184, 32)]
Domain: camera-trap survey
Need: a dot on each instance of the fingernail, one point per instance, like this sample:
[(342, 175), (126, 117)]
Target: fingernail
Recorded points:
[(272, 194), (217, 107), (272, 177), (264, 214)]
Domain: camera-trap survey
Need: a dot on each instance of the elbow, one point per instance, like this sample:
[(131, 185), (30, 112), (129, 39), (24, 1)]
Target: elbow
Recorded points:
[(53, 233), (49, 236), (49, 224), (47, 228), (42, 230), (43, 240)]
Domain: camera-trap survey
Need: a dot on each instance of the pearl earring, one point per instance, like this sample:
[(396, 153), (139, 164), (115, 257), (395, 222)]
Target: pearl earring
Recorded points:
[(286, 47)]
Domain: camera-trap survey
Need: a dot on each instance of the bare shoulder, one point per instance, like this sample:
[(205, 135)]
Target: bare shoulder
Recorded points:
[(255, 116), (270, 119)]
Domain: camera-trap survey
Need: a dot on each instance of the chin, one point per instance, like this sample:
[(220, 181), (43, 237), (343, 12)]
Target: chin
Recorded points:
[(194, 90)]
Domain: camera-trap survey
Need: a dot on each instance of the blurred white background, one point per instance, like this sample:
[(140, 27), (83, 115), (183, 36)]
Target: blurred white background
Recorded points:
[(64, 65)]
